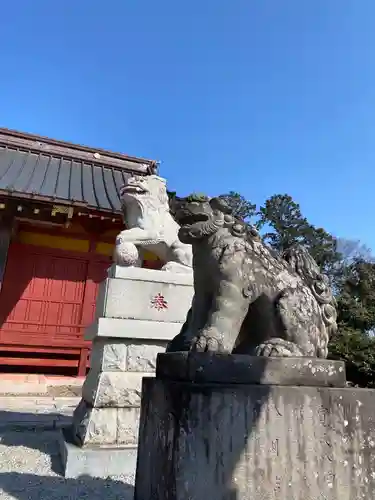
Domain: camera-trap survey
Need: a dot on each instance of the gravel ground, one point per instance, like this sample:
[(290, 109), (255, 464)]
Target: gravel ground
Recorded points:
[(30, 469)]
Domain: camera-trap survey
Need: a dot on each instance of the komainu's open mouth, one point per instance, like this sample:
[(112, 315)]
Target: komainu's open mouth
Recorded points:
[(132, 189), (188, 218)]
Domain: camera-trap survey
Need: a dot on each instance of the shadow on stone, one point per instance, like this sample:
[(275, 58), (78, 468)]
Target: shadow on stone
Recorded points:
[(236, 427), (16, 420), (186, 409), (34, 487)]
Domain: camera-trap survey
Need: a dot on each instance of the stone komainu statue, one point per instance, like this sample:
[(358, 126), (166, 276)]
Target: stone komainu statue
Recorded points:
[(150, 226), (248, 299)]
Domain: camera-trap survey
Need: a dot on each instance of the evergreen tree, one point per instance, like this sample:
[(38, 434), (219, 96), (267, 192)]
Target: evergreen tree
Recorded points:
[(287, 227), (284, 222), (357, 350), (241, 208)]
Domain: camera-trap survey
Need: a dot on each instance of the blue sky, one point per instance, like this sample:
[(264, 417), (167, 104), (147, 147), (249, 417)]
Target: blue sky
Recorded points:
[(256, 96)]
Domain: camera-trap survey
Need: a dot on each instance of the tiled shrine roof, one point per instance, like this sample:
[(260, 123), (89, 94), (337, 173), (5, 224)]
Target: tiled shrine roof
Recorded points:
[(45, 169)]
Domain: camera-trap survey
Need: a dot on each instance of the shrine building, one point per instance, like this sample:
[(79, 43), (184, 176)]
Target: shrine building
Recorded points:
[(60, 213)]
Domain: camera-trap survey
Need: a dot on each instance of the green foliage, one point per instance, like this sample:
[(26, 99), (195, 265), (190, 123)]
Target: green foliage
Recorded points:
[(175, 202), (199, 197), (172, 195), (241, 208), (283, 217), (356, 299), (357, 349)]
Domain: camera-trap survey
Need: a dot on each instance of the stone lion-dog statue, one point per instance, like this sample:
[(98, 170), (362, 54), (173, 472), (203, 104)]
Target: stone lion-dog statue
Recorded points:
[(249, 299), (150, 226)]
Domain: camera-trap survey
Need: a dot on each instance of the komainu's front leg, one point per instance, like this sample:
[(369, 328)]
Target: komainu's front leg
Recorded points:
[(138, 236), (126, 251), (195, 320), (228, 310)]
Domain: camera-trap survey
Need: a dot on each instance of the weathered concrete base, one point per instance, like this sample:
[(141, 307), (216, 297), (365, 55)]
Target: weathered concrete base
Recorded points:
[(104, 426), (240, 369), (235, 440), (131, 291), (100, 462), (137, 312)]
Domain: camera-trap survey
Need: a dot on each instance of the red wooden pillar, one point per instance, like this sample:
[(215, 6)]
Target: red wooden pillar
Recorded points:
[(6, 226), (97, 266)]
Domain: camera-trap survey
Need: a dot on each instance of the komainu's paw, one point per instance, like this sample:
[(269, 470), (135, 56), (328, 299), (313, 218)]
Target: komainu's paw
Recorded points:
[(278, 348), (207, 343), (176, 267)]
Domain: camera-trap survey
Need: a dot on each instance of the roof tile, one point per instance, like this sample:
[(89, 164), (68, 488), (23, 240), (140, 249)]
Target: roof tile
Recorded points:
[(65, 172), (63, 179)]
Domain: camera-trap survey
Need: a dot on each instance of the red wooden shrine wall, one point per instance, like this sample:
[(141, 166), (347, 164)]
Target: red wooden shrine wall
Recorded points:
[(48, 298), (48, 295)]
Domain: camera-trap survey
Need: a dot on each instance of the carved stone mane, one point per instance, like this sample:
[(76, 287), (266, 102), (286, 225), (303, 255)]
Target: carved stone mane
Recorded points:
[(150, 226), (305, 266)]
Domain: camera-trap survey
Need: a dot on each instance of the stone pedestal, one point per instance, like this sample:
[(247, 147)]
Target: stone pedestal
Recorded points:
[(138, 312), (235, 427)]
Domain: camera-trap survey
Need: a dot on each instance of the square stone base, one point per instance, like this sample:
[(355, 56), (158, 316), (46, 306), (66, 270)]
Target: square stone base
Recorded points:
[(96, 461), (234, 435)]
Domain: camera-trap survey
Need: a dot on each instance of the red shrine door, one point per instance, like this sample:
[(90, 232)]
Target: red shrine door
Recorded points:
[(48, 296)]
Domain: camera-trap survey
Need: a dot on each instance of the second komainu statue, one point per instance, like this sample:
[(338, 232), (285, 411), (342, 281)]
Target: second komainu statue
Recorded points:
[(248, 299)]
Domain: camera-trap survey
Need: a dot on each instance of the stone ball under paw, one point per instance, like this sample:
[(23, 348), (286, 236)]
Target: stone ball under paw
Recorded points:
[(126, 254)]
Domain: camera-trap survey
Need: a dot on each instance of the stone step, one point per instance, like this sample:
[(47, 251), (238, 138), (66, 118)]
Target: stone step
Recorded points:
[(39, 385), (36, 413)]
